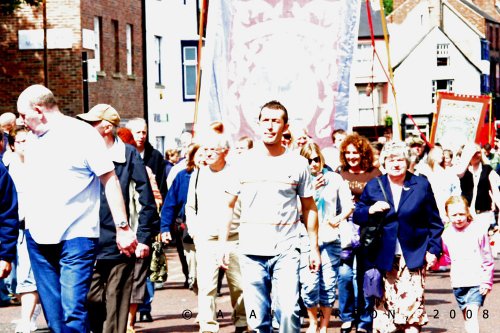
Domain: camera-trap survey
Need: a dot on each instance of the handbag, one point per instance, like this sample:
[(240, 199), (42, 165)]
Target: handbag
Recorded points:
[(372, 283), (159, 265), (371, 235)]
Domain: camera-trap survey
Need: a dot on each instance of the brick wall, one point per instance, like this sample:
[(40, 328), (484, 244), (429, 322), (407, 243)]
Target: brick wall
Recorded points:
[(21, 68), (124, 92)]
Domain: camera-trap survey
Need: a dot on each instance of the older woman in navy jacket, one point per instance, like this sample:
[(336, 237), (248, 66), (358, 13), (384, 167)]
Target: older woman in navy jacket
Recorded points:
[(411, 239)]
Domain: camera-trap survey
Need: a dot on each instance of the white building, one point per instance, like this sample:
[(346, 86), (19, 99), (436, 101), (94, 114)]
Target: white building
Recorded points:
[(369, 74), (434, 64), (434, 47), (172, 43)]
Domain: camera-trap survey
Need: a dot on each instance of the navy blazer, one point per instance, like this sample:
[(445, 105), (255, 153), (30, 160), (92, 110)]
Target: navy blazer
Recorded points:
[(9, 218), (416, 224)]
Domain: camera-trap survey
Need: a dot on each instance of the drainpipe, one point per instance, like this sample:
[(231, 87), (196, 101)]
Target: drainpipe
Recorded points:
[(144, 62)]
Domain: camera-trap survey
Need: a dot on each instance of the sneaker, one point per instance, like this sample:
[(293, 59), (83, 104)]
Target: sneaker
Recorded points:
[(22, 328)]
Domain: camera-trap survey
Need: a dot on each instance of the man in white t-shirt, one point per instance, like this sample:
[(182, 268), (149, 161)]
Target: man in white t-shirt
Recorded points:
[(270, 181), (205, 202), (67, 162)]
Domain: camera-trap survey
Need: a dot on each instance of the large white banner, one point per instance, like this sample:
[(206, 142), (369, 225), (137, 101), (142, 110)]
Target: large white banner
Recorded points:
[(298, 52)]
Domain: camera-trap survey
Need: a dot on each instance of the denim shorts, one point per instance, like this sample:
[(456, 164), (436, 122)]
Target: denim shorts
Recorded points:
[(468, 295)]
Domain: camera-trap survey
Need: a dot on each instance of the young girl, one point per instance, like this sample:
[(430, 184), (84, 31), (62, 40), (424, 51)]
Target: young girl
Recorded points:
[(468, 247)]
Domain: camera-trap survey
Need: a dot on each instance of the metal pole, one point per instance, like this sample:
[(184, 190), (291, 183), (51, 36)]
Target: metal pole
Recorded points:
[(145, 85), (45, 53), (85, 72)]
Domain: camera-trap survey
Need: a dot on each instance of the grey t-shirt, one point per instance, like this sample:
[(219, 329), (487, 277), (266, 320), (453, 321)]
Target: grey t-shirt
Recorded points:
[(269, 189)]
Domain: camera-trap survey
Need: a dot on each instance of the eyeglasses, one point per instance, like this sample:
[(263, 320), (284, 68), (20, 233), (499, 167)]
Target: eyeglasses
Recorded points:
[(287, 136), (316, 159)]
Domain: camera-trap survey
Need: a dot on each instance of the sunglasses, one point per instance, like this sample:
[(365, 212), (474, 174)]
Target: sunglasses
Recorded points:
[(287, 136), (316, 159)]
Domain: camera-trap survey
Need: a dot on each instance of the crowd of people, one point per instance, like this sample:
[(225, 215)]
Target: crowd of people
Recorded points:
[(293, 226)]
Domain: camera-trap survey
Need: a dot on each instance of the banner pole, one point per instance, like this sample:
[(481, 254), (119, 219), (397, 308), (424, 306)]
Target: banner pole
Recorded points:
[(198, 65), (396, 124)]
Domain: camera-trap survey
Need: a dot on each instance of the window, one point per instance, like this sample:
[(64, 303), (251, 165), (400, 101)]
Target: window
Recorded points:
[(485, 49), (160, 143), (116, 35), (441, 85), (129, 49), (485, 84), (497, 42), (97, 41), (189, 69), (157, 59), (364, 54), (442, 55)]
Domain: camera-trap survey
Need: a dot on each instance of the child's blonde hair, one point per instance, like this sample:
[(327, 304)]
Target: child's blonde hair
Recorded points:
[(455, 199)]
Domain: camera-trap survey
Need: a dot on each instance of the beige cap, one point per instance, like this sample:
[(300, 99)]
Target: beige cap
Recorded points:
[(101, 112)]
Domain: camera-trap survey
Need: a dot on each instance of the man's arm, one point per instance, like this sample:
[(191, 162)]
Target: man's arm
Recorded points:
[(494, 179), (227, 216), (149, 221), (9, 222), (467, 153), (125, 237), (310, 215)]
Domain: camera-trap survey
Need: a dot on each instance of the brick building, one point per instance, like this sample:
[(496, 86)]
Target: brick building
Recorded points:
[(108, 31)]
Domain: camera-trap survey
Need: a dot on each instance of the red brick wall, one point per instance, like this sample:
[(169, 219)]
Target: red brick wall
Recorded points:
[(21, 68), (124, 92)]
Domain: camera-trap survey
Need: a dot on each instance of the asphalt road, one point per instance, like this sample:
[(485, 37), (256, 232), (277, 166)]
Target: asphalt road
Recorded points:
[(175, 308)]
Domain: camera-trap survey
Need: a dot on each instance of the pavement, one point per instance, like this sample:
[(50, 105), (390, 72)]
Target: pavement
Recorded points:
[(175, 308)]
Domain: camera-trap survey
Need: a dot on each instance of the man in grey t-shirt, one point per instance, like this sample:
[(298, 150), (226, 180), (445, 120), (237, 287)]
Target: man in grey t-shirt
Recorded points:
[(269, 182)]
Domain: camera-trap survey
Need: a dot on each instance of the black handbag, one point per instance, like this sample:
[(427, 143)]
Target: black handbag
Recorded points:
[(371, 235)]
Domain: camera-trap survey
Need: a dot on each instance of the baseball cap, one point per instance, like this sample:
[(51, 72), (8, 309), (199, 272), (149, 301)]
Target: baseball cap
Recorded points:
[(101, 112)]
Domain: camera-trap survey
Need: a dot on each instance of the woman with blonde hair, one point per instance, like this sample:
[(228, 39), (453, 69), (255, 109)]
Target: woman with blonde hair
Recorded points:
[(318, 289)]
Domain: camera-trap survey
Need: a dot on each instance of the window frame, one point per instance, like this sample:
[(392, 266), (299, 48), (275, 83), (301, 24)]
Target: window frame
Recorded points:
[(449, 88), (158, 42), (185, 44), (98, 42), (116, 38), (442, 54), (129, 31)]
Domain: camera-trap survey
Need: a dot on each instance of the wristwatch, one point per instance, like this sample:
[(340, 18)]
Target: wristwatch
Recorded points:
[(122, 224)]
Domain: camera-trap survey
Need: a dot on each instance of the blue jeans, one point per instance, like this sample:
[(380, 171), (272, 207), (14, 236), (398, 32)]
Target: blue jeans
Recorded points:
[(259, 275), (352, 307), (4, 294), (148, 297), (319, 288), (63, 273)]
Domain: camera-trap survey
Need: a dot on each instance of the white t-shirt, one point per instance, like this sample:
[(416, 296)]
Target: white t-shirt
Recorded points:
[(63, 190), (212, 200), (269, 189)]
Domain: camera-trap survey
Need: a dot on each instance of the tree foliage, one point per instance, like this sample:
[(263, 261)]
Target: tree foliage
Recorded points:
[(9, 6), (388, 6)]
